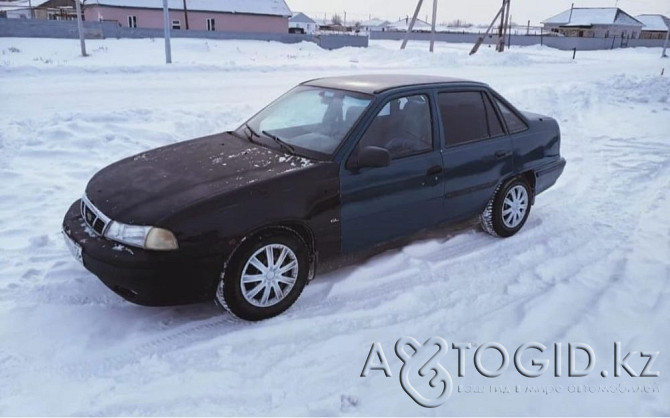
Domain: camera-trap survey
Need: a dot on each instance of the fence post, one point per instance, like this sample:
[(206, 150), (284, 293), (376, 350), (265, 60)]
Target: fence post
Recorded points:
[(574, 52), (166, 29), (80, 28)]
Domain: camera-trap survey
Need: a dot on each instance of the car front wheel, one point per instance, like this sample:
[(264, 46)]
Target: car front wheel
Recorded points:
[(265, 277), (508, 209)]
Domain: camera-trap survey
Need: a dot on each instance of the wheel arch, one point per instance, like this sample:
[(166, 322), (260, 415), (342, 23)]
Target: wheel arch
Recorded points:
[(528, 176), (298, 229)]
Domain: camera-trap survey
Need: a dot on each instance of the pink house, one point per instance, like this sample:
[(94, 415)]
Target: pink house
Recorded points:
[(207, 15)]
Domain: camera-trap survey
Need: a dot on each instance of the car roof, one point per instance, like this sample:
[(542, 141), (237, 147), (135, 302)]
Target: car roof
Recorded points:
[(378, 83)]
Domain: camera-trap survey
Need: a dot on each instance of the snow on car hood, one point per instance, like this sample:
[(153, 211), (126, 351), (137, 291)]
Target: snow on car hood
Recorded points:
[(150, 186)]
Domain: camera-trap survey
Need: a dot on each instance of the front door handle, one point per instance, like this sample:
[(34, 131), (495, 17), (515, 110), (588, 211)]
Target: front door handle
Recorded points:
[(502, 154), (433, 171)]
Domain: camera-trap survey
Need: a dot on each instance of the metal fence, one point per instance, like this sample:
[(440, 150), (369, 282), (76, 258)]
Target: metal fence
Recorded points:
[(558, 42), (33, 28)]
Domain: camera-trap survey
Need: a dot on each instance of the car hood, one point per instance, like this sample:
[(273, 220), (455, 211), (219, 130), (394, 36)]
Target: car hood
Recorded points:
[(156, 184)]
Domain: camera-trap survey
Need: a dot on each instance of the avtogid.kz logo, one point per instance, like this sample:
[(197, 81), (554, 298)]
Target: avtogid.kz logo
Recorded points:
[(425, 379)]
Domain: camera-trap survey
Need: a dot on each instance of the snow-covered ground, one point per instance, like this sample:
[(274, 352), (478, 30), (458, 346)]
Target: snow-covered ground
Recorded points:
[(592, 264)]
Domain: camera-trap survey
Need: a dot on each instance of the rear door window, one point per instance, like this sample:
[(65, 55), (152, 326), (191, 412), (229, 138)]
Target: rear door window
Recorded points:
[(465, 117)]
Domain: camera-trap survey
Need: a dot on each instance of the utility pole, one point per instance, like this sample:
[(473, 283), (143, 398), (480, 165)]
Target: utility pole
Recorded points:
[(166, 27), (665, 44), (509, 33), (501, 28), (185, 15), (481, 39), (571, 9), (30, 6), (411, 24), (80, 28), (432, 32)]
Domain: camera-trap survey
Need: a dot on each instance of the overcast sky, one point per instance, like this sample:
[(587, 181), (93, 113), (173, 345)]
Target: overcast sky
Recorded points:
[(474, 11)]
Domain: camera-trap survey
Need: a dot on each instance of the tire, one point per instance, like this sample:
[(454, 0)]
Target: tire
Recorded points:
[(507, 211), (266, 291)]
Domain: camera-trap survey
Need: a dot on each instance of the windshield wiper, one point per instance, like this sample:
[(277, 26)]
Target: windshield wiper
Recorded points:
[(285, 145), (251, 133)]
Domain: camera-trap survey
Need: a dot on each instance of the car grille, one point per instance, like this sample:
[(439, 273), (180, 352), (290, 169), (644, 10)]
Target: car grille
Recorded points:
[(93, 217)]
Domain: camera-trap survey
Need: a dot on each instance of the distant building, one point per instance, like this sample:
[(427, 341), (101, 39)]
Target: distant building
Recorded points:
[(301, 23), (589, 22), (14, 10), (269, 16), (41, 9), (403, 24), (374, 25), (655, 26), (55, 10)]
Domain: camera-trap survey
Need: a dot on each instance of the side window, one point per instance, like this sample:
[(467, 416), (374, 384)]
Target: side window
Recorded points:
[(464, 117), (403, 126), (514, 123)]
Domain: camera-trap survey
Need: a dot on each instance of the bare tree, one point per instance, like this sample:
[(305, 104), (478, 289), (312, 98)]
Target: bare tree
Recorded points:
[(336, 19)]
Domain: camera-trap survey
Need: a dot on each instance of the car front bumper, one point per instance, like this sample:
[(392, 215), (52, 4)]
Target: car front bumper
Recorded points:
[(144, 277)]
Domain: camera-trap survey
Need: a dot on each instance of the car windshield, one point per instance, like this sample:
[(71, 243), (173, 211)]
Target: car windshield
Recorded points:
[(311, 119)]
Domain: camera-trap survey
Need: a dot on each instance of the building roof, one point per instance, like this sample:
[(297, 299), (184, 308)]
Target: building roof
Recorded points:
[(19, 4), (403, 24), (374, 23), (377, 83), (258, 7), (301, 18), (588, 16), (654, 23)]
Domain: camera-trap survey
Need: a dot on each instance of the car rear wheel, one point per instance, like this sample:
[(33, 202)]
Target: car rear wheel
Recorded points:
[(265, 277), (508, 209)]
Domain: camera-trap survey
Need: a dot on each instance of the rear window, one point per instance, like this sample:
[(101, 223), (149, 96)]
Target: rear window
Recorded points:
[(514, 123)]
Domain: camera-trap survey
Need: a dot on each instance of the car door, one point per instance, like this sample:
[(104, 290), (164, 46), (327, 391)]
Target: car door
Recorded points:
[(379, 204), (477, 151)]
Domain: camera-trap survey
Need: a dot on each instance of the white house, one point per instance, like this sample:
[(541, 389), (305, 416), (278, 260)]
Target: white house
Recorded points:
[(403, 24), (374, 25), (655, 26), (594, 22), (302, 23)]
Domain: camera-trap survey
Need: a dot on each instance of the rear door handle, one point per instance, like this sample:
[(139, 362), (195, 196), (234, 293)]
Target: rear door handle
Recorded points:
[(502, 154), (433, 171)]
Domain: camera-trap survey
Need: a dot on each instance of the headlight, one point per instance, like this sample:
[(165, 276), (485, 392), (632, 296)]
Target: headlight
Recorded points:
[(160, 239), (148, 237)]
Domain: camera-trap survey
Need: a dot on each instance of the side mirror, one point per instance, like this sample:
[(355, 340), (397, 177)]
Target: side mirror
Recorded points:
[(373, 157)]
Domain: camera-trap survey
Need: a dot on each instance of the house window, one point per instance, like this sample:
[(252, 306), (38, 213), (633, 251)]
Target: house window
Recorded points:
[(211, 25), (176, 24), (132, 21)]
